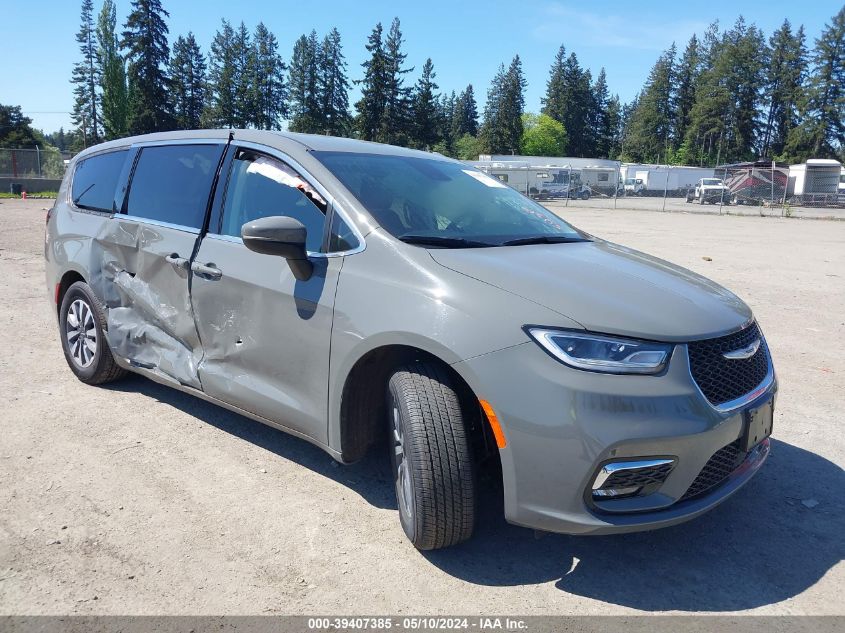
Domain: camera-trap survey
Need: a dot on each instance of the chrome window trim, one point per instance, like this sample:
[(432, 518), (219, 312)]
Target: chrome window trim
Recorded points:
[(328, 197), (166, 225), (748, 398), (237, 240), (180, 141)]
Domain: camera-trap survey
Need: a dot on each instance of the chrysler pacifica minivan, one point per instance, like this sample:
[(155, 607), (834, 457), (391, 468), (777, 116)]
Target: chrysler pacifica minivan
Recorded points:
[(364, 296)]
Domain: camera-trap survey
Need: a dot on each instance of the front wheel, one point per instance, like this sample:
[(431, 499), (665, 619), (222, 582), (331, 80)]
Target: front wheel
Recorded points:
[(433, 469), (82, 324)]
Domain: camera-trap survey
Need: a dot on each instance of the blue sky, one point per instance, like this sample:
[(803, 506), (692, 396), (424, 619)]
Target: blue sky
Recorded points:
[(466, 40)]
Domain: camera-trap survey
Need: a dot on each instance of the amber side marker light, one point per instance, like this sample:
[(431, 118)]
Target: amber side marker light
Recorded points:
[(501, 442)]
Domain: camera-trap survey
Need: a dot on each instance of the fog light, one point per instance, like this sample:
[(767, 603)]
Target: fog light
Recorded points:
[(616, 492), (628, 479)]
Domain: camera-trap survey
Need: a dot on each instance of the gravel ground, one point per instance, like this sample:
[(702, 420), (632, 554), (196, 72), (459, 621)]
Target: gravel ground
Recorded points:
[(136, 499)]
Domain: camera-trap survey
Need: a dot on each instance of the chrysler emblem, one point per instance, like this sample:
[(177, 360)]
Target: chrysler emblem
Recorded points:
[(743, 352)]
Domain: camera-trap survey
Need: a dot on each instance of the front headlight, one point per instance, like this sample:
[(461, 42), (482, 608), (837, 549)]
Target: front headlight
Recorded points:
[(596, 352)]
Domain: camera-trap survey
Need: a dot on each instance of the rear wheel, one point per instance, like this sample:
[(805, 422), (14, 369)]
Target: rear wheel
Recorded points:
[(432, 461), (82, 324)]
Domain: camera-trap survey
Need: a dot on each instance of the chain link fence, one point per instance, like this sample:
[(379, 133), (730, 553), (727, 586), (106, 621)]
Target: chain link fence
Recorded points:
[(813, 189), (31, 170), (31, 163)]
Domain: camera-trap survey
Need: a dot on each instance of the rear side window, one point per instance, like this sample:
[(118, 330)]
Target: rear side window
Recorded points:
[(95, 181), (172, 183)]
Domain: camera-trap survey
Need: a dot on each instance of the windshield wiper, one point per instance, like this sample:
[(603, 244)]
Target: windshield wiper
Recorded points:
[(544, 239), (86, 190), (445, 242)]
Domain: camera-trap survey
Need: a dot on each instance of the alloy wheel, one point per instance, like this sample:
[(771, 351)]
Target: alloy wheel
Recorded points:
[(81, 333)]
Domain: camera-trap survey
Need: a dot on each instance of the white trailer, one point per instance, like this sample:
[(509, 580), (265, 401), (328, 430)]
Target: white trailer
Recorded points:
[(536, 181), (656, 179), (816, 176), (599, 175), (816, 183)]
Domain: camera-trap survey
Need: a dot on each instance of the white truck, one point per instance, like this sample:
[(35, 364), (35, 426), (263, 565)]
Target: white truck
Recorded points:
[(710, 190), (634, 187)]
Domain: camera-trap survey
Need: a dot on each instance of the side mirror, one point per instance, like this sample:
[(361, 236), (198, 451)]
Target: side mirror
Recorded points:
[(281, 236)]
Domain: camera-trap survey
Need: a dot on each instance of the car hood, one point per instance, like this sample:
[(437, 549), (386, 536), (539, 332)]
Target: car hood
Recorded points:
[(606, 288)]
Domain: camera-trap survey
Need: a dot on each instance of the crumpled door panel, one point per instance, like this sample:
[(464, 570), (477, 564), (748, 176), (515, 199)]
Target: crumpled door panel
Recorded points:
[(150, 319)]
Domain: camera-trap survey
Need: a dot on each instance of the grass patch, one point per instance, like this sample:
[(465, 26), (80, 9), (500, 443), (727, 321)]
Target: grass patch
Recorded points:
[(5, 195)]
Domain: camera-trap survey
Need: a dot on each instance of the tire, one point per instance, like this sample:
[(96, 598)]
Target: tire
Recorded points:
[(82, 326), (433, 469)]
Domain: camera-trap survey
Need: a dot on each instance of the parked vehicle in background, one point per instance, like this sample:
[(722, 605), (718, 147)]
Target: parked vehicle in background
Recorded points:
[(815, 183), (634, 187), (539, 182), (755, 182), (597, 175), (710, 190), (363, 296), (660, 180)]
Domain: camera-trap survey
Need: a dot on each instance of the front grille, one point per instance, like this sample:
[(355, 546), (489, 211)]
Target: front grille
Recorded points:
[(638, 477), (718, 468), (720, 379)]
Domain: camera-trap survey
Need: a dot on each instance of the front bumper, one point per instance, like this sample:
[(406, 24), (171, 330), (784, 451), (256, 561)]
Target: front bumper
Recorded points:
[(562, 424)]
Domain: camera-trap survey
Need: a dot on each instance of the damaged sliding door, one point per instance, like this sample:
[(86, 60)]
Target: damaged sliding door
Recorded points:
[(150, 318)]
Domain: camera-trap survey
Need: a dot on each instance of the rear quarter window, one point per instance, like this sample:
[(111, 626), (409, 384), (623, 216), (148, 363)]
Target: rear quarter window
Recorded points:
[(172, 183), (95, 181)]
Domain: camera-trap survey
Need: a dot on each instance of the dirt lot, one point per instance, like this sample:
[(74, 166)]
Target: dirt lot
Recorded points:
[(135, 499)]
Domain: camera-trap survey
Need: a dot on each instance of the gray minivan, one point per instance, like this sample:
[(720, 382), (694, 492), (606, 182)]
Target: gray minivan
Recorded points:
[(359, 295)]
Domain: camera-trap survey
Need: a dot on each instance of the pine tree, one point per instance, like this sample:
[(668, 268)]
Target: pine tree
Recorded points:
[(747, 58), (822, 132), (445, 115), (426, 110), (502, 129), (569, 100), (599, 132), (112, 74), (86, 79), (612, 134), (785, 77), (188, 82), (465, 118), (625, 120), (556, 100), (303, 82), (650, 132), (724, 120), (221, 97), (686, 78), (145, 41), (370, 108), (333, 86), (396, 116), (267, 85), (243, 56)]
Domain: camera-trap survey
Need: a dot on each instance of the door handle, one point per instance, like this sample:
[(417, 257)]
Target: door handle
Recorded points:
[(207, 271), (179, 262)]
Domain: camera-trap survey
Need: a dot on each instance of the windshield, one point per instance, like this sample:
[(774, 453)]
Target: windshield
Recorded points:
[(711, 181), (443, 203)]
